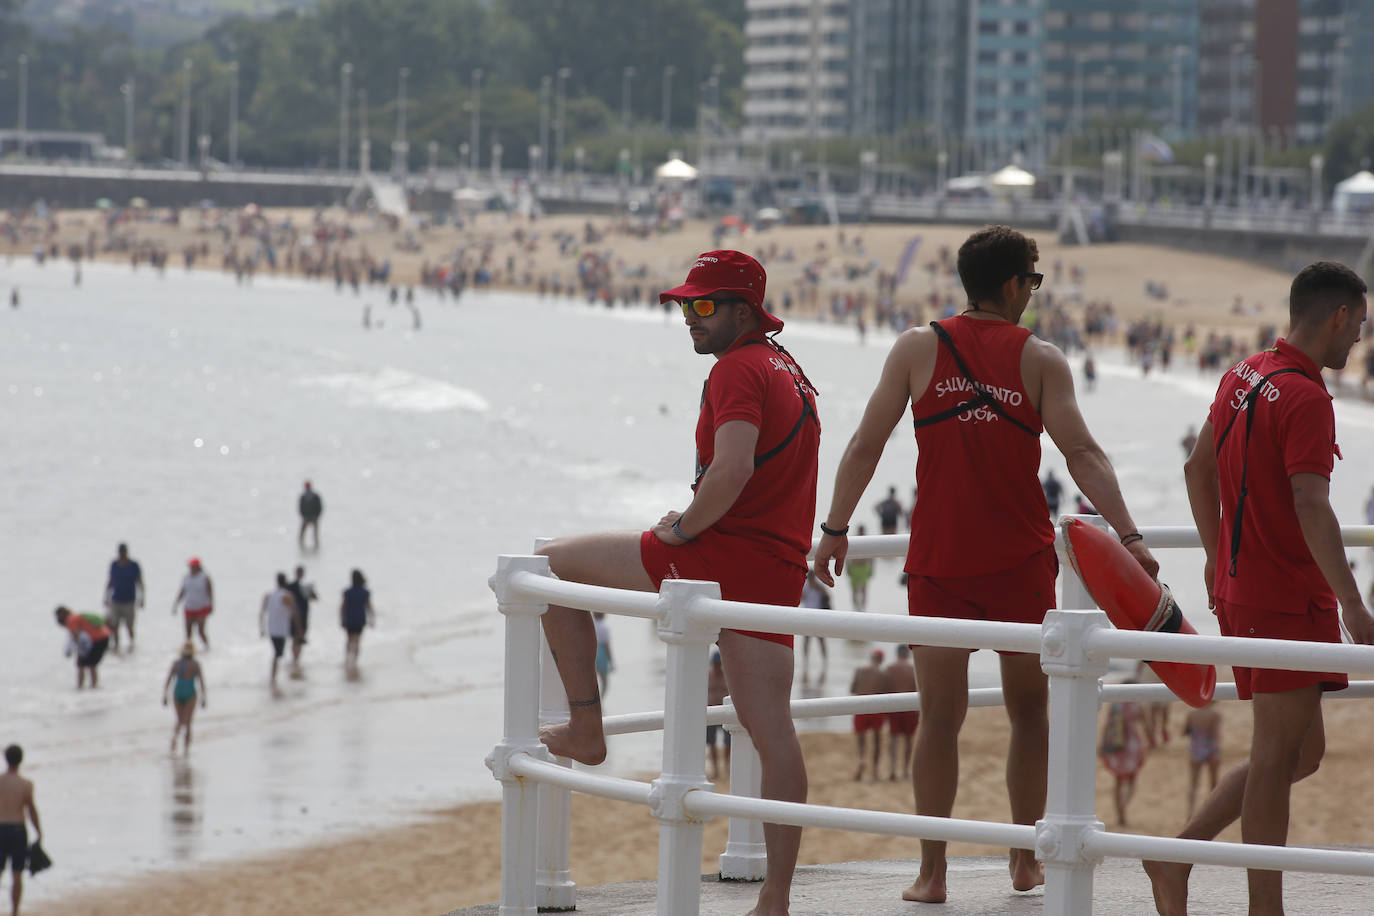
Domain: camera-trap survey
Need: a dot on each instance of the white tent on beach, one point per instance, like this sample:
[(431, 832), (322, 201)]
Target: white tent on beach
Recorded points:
[(1355, 194), (675, 169)]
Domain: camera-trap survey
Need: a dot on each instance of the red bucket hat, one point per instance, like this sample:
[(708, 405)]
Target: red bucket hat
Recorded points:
[(727, 271)]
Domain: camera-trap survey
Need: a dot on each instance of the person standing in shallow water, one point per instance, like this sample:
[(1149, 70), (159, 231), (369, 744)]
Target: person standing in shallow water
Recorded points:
[(311, 507), (197, 598), (355, 613), (981, 390), (277, 619), (185, 671), (747, 527), (124, 593)]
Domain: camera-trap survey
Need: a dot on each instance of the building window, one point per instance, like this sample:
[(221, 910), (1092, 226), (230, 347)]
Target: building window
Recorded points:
[(989, 27)]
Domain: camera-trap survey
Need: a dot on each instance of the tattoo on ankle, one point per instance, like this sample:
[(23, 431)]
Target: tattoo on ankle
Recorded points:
[(577, 704)]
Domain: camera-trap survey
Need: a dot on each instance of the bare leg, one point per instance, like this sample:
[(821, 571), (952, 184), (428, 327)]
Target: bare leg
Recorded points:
[(759, 674), (862, 739), (200, 628), (942, 680), (1026, 692), (16, 891), (1223, 806), (611, 560), (1194, 772), (877, 750)]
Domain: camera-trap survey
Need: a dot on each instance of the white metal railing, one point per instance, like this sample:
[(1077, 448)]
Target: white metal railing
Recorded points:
[(1074, 647)]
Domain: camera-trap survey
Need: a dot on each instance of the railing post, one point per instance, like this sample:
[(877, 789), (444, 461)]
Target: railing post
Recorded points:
[(1070, 805), (521, 735), (554, 887), (745, 857), (684, 751)]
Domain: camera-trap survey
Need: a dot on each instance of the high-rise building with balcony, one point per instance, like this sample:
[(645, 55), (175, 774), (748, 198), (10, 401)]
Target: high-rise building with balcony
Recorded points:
[(1004, 90), (1111, 63), (797, 64)]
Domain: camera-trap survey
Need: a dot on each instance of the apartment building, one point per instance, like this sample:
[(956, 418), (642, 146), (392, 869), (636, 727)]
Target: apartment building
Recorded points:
[(797, 69)]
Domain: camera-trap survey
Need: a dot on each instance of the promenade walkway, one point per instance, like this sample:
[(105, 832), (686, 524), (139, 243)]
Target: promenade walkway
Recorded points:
[(978, 887)]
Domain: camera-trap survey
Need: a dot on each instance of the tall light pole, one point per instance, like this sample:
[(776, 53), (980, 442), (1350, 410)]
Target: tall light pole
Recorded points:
[(23, 103), (400, 149), (184, 139), (364, 144), (545, 100), (127, 90), (345, 71), (233, 113), (558, 118), (473, 147), (626, 75), (668, 71)]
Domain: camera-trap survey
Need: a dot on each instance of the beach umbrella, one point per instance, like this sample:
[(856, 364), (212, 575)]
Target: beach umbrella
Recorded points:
[(768, 215), (675, 170), (1011, 176), (1354, 194), (104, 203), (138, 203)]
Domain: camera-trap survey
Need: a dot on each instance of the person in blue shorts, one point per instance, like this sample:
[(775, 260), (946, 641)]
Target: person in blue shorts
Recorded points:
[(123, 595)]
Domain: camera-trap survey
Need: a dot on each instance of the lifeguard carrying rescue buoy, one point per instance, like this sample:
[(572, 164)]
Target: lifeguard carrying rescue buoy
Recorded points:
[(1134, 601)]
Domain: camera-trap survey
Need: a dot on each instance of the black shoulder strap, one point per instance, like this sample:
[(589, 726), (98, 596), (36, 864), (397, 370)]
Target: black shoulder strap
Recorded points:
[(1248, 408), (981, 399), (808, 410)]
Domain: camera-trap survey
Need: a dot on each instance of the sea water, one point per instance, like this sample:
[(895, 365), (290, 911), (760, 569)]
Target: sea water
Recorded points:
[(181, 414)]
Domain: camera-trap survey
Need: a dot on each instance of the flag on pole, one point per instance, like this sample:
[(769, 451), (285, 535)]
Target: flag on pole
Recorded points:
[(908, 255)]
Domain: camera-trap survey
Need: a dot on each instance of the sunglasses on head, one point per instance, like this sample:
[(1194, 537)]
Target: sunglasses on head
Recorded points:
[(703, 308)]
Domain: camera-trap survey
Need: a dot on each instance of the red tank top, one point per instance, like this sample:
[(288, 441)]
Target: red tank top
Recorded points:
[(979, 505)]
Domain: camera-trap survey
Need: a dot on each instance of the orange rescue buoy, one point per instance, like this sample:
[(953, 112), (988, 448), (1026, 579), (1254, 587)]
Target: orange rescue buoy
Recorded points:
[(1134, 601)]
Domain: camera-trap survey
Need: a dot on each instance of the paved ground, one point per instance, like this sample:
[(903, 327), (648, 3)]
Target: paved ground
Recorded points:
[(979, 887)]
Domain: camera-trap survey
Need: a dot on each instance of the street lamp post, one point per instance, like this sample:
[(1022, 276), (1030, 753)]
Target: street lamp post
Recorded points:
[(668, 71), (184, 141), (364, 144), (400, 149), (545, 91), (1315, 194), (23, 103), (345, 71), (496, 150), (476, 118), (127, 90), (558, 126), (233, 113), (433, 149), (626, 76)]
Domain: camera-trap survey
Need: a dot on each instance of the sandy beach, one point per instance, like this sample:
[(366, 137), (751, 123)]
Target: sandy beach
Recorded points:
[(451, 858), (454, 859)]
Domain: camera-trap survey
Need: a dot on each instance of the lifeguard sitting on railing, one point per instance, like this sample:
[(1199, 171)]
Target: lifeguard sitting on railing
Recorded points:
[(748, 527), (1260, 493), (982, 390)]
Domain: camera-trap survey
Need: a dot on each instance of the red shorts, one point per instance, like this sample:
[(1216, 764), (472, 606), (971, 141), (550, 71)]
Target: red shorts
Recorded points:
[(744, 575), (1313, 624), (869, 722), (199, 613), (1021, 594), (904, 722)]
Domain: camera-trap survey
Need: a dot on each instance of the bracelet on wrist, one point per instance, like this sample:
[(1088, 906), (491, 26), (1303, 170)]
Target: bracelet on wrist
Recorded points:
[(678, 531), (834, 532), (1131, 538)]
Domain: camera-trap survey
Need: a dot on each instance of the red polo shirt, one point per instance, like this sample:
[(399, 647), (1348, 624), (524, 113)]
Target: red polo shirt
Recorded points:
[(754, 382), (1294, 432)]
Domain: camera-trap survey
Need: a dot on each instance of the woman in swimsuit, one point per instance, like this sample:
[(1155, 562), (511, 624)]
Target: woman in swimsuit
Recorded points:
[(1203, 728), (186, 672)]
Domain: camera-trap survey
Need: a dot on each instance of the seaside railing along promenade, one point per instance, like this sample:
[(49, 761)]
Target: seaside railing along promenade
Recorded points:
[(1075, 647)]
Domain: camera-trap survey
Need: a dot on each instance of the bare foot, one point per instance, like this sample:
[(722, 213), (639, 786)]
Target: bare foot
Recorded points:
[(1169, 881), (563, 742), (1026, 872), (926, 890), (767, 906)]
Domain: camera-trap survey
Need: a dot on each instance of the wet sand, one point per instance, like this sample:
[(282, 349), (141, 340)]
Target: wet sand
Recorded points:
[(453, 860)]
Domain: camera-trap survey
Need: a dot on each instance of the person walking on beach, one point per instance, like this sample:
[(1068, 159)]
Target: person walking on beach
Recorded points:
[(277, 619), (303, 593), (604, 662), (1054, 492), (185, 671), (355, 613), (859, 573), (715, 695), (89, 638), (981, 390), (867, 681), (816, 597), (123, 594), (1202, 727), (16, 806), (900, 677), (311, 507), (197, 598), (1123, 749), (889, 511), (747, 527), (1276, 568)]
